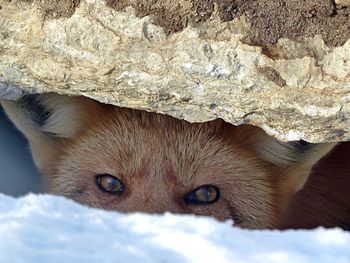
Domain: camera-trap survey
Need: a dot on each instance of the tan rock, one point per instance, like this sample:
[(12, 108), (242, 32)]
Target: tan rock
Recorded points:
[(294, 89), (343, 2)]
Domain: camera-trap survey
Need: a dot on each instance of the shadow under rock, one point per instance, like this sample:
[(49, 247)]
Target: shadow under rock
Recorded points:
[(18, 174)]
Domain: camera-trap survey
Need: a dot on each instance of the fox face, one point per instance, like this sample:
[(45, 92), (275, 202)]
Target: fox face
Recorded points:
[(128, 160)]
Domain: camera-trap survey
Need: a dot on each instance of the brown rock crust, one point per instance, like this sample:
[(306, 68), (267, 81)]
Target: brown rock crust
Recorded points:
[(270, 20)]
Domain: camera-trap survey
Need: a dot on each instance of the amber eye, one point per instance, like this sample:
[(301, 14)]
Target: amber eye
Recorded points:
[(109, 183), (205, 194)]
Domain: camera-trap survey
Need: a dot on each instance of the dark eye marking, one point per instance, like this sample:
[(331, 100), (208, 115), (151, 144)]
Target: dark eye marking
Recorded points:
[(109, 183), (203, 195)]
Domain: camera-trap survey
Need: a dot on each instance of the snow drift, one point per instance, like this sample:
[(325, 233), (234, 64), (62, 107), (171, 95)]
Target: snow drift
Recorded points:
[(43, 228)]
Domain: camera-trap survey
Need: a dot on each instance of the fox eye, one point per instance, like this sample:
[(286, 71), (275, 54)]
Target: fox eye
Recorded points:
[(109, 183), (205, 194)]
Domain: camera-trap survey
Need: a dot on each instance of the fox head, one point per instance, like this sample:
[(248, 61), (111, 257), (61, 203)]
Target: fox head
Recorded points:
[(128, 160)]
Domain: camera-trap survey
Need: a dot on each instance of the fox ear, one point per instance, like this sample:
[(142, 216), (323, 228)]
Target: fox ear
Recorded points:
[(47, 120), (292, 162)]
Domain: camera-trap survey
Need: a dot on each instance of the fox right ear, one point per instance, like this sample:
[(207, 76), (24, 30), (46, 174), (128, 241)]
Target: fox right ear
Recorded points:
[(47, 120), (292, 161)]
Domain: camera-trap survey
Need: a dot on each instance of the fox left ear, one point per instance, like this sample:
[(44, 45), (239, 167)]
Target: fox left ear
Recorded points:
[(292, 161), (48, 120)]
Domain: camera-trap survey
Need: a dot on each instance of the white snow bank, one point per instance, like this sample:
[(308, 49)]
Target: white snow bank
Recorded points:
[(53, 229)]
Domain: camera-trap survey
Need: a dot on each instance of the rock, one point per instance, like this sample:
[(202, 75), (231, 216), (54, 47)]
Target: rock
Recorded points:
[(198, 65), (343, 2)]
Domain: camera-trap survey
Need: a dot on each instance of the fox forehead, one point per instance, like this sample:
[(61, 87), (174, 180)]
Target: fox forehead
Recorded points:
[(136, 143)]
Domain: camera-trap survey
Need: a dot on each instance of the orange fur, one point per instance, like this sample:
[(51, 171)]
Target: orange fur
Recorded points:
[(160, 159), (325, 199)]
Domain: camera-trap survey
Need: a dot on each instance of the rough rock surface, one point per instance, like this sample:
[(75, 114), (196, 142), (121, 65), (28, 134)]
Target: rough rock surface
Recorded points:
[(296, 88), (343, 2)]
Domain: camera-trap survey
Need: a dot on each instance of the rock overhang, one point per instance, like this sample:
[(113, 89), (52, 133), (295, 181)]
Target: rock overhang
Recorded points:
[(211, 64)]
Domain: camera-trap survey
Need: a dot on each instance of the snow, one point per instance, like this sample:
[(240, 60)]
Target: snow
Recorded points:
[(44, 228)]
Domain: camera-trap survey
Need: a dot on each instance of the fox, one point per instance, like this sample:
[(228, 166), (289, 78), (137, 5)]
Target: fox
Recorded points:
[(130, 160)]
